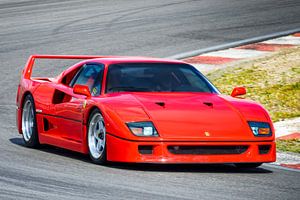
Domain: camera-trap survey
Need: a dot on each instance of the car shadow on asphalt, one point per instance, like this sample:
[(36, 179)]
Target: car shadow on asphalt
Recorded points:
[(54, 150), (191, 168), (196, 168)]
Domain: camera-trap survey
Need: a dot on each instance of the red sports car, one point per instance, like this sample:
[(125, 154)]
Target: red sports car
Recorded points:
[(142, 110)]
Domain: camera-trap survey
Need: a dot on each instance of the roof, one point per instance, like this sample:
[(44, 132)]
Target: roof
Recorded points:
[(133, 59)]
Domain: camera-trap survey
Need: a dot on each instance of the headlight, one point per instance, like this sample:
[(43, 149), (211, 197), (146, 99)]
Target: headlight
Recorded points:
[(260, 128), (142, 128)]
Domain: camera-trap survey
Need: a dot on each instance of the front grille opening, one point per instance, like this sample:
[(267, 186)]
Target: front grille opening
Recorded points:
[(208, 150), (264, 149), (145, 149)]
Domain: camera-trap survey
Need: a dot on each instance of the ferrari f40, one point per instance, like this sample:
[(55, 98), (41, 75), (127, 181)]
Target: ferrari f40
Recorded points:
[(141, 110)]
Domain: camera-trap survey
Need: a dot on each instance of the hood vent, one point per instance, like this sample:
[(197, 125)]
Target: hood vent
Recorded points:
[(208, 104), (162, 104)]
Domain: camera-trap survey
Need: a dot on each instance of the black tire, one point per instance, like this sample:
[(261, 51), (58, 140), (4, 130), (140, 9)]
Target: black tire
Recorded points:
[(247, 165), (101, 159), (29, 132)]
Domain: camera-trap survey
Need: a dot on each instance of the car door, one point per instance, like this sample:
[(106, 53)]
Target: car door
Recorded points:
[(71, 106)]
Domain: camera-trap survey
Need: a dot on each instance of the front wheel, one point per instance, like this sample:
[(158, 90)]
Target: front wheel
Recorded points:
[(96, 137), (247, 165), (29, 127)]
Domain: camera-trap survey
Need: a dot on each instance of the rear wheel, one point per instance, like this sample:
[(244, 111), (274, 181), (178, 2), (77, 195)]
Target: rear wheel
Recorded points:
[(96, 137), (29, 127), (247, 165)]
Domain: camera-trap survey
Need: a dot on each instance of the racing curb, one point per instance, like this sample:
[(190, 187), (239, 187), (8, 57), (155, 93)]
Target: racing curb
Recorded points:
[(210, 58), (217, 59), (290, 136), (235, 44)]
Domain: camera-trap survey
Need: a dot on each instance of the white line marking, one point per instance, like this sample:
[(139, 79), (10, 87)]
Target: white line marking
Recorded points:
[(206, 68), (284, 40), (201, 67), (236, 53), (287, 127)]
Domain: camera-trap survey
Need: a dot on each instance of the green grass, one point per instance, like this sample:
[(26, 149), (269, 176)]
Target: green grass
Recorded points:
[(288, 145), (273, 81)]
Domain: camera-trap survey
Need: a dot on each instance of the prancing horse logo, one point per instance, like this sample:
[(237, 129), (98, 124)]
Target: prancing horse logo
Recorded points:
[(206, 133)]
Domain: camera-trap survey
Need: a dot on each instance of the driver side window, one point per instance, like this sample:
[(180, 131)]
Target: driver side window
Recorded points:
[(91, 75)]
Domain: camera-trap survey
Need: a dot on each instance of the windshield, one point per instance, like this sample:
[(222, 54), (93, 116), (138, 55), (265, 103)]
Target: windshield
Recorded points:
[(156, 77)]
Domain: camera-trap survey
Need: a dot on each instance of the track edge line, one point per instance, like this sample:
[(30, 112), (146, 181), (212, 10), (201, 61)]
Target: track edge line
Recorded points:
[(234, 44)]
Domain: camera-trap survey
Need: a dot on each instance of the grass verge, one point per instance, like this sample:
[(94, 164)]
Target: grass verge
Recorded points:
[(292, 145), (274, 81)]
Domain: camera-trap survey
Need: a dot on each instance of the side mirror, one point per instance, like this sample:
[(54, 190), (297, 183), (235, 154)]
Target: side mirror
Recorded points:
[(82, 90), (237, 91)]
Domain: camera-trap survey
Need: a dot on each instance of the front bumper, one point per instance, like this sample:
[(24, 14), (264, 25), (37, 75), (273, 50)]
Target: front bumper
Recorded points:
[(122, 150)]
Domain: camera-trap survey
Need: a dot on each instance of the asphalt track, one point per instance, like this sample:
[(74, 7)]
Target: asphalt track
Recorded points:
[(150, 28)]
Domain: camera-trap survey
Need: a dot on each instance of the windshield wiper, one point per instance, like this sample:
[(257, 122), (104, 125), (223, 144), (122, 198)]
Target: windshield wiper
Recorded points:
[(128, 89)]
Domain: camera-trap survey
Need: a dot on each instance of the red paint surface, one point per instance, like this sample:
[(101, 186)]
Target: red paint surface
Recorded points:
[(293, 166), (290, 136), (265, 47), (296, 34), (209, 60)]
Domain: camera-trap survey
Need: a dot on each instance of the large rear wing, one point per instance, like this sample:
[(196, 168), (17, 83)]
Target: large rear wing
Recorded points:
[(29, 65)]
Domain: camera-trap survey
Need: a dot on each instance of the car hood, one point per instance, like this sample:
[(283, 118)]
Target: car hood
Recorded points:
[(202, 116)]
